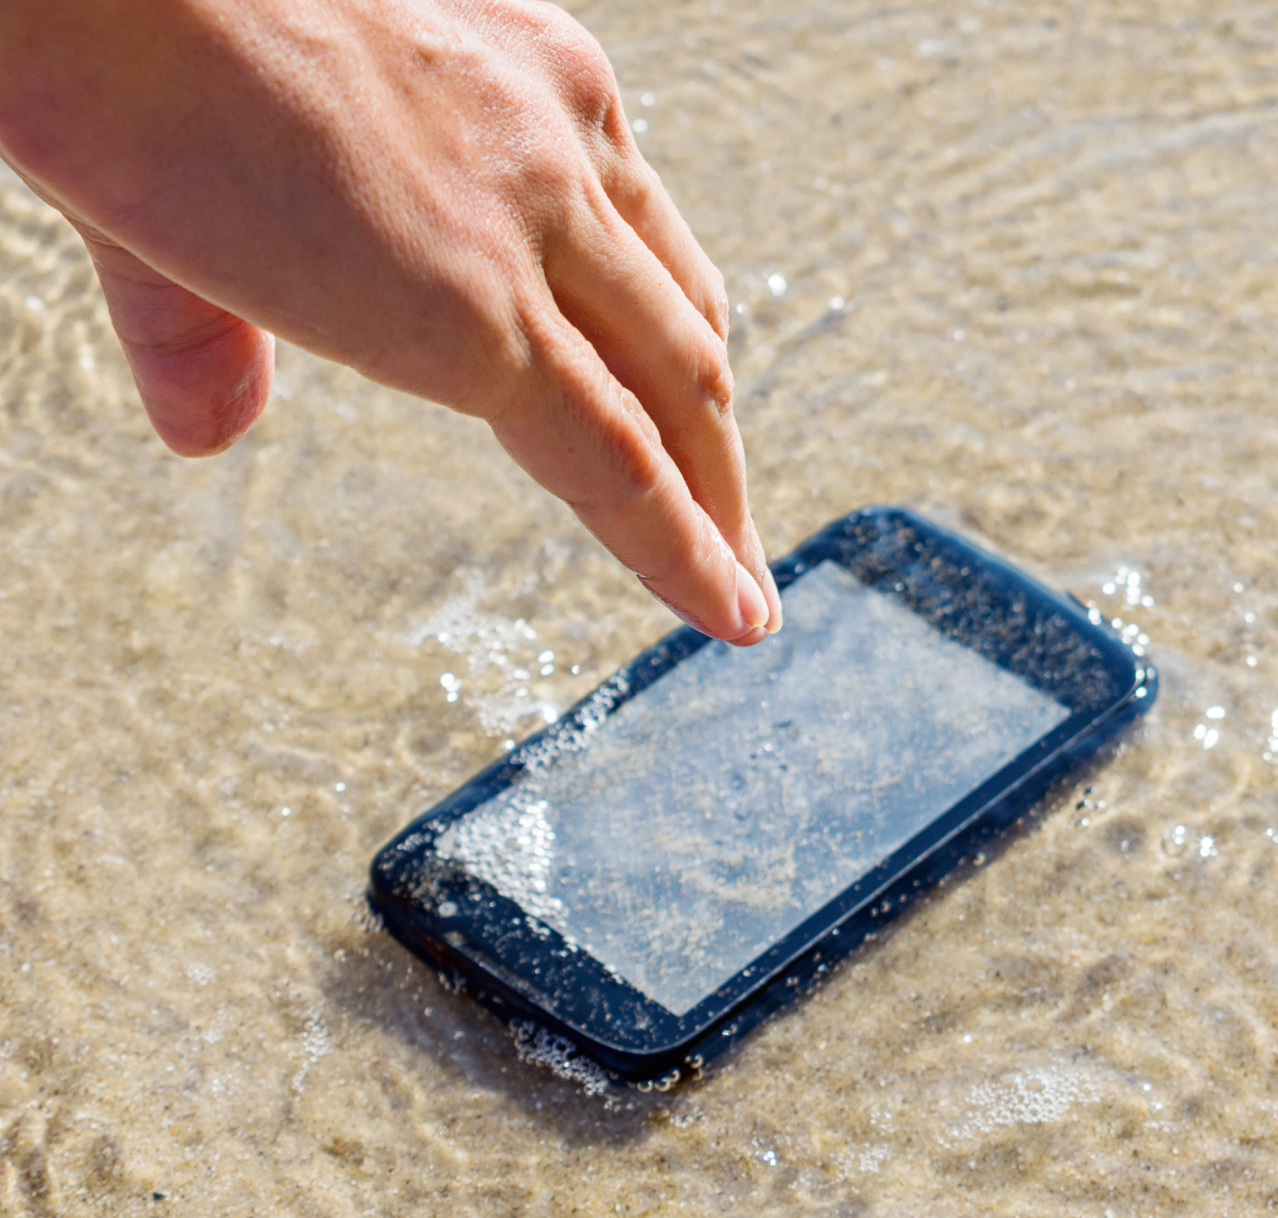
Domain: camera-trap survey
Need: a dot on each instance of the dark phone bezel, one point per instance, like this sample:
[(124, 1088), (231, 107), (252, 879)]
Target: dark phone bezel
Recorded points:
[(1045, 638)]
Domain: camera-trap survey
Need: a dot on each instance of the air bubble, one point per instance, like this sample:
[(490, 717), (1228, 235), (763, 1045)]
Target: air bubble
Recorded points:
[(1030, 1097), (541, 1047)]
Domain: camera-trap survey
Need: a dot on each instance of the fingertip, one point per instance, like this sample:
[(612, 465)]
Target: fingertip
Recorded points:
[(776, 615), (204, 375), (202, 401), (751, 603), (750, 638)]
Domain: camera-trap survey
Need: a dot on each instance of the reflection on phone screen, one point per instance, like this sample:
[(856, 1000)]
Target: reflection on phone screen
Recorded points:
[(735, 796)]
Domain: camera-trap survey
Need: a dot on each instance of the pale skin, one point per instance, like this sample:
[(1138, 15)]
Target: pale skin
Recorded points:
[(442, 194)]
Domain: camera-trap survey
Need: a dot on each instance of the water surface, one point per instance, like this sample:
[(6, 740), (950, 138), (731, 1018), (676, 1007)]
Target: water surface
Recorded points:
[(1012, 264)]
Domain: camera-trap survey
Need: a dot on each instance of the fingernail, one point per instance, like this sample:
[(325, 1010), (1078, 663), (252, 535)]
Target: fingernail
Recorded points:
[(777, 617), (751, 602)]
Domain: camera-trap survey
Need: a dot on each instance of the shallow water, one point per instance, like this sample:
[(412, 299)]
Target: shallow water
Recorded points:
[(1052, 233)]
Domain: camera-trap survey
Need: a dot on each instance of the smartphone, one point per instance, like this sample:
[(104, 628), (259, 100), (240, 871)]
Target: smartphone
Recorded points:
[(708, 831)]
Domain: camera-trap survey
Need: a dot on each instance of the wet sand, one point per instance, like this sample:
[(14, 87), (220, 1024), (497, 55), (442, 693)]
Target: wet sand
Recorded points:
[(1014, 265)]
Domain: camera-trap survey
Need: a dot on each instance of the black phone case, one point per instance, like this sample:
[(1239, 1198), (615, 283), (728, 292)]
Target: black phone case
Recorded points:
[(1047, 638)]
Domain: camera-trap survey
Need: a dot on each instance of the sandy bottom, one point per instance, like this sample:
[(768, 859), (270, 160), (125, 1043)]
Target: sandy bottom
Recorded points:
[(1013, 264)]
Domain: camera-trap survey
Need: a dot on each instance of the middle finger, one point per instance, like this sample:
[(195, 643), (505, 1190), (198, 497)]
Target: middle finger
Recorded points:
[(616, 292)]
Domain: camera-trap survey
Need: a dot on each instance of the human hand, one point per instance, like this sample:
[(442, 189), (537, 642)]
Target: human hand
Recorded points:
[(442, 194)]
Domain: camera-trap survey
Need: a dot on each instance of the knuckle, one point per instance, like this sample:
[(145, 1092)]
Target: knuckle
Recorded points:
[(716, 308), (496, 365), (634, 480), (699, 550), (630, 180), (713, 376), (465, 348), (633, 456), (588, 84)]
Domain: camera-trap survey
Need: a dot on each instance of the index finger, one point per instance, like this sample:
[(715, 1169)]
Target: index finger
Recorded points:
[(585, 438)]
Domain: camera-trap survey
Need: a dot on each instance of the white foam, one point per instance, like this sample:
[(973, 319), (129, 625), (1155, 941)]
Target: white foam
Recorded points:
[(539, 1046), (316, 1043), (510, 845), (1027, 1097), (500, 653)]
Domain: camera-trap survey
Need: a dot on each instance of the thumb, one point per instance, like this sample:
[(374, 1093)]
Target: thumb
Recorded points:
[(203, 374)]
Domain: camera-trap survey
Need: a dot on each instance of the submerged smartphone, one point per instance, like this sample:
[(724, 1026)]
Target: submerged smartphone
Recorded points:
[(711, 828)]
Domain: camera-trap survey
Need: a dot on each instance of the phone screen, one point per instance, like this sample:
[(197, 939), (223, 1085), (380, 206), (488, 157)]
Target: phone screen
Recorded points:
[(720, 807)]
